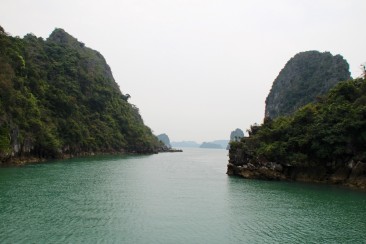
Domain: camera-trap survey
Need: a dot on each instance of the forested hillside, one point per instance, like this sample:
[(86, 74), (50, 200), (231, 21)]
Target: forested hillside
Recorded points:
[(328, 135), (58, 97), (305, 77)]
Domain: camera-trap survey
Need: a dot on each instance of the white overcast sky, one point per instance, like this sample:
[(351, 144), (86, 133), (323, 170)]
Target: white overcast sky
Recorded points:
[(198, 69)]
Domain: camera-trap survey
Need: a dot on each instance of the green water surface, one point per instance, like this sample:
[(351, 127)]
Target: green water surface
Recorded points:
[(170, 198)]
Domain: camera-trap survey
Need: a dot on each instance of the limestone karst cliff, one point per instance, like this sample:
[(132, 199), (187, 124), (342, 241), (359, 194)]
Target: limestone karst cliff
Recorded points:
[(305, 77)]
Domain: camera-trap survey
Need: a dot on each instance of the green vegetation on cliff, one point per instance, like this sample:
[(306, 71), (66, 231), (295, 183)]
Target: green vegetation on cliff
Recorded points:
[(305, 77), (329, 132), (59, 97)]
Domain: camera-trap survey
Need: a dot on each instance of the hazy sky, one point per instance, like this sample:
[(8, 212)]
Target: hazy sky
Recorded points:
[(198, 69)]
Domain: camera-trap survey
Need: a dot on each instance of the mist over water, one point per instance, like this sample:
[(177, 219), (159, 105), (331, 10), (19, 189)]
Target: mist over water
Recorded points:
[(170, 198)]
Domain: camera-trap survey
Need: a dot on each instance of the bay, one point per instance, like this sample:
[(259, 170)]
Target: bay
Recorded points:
[(170, 198)]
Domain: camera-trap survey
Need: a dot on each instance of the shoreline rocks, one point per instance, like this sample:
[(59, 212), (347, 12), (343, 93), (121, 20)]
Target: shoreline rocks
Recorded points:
[(28, 159), (350, 175), (171, 150)]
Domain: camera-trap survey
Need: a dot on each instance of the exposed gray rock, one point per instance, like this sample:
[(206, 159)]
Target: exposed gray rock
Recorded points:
[(355, 177), (164, 139), (305, 77)]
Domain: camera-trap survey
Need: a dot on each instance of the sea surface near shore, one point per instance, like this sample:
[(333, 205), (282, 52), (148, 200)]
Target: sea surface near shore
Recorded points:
[(170, 198)]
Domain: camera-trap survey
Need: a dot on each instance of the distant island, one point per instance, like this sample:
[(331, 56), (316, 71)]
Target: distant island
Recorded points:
[(235, 135), (179, 144), (223, 143), (164, 138), (193, 144), (322, 141), (59, 99), (210, 145)]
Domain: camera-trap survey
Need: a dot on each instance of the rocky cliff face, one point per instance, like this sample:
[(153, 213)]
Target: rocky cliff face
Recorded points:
[(164, 138), (304, 77), (236, 134), (353, 174)]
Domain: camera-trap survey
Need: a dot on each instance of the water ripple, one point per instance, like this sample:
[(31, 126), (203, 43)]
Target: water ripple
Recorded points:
[(169, 198)]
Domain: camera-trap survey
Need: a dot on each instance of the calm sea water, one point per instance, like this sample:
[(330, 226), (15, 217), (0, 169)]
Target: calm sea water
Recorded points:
[(170, 198)]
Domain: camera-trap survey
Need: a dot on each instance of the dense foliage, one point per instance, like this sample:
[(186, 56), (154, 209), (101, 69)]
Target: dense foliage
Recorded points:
[(331, 131), (304, 77), (59, 97)]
